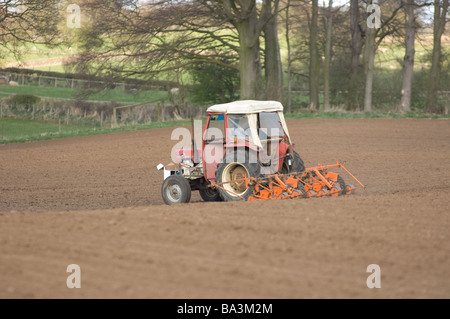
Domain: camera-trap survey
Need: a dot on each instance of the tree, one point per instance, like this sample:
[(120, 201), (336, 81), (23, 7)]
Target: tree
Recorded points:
[(329, 27), (408, 63), (356, 50), (313, 56), (440, 19), (370, 51), (24, 21), (377, 31), (289, 61), (164, 36), (272, 58), (245, 19), (224, 87)]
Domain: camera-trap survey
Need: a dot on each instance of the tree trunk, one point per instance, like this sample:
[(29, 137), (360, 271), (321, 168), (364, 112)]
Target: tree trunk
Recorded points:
[(327, 105), (357, 37), (289, 63), (314, 65), (408, 64), (369, 68), (440, 15), (274, 72), (249, 56)]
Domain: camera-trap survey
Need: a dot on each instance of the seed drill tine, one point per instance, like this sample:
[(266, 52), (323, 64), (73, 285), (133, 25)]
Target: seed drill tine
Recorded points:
[(320, 183), (342, 166)]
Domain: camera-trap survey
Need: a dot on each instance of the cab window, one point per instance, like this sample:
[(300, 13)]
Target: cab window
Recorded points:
[(216, 128), (238, 126), (270, 126)]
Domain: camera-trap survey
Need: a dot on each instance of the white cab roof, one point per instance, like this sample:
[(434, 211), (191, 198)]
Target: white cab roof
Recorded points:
[(246, 107)]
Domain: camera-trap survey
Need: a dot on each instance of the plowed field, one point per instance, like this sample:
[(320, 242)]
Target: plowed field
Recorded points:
[(96, 202)]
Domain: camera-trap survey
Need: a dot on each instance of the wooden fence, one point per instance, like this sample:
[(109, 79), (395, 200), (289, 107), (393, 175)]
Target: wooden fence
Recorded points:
[(48, 81)]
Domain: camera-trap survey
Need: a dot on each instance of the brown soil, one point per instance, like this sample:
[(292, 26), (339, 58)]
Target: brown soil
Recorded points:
[(95, 201)]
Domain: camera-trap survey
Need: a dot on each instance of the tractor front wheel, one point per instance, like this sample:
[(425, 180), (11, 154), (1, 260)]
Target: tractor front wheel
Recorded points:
[(176, 190)]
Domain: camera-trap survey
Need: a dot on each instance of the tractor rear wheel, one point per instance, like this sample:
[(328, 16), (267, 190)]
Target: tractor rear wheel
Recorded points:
[(231, 173), (298, 165), (176, 190), (210, 195)]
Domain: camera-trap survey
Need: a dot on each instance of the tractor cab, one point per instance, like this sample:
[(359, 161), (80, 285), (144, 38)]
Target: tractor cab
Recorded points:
[(255, 127)]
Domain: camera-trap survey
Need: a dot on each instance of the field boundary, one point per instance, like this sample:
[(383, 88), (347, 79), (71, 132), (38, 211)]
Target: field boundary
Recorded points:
[(24, 79)]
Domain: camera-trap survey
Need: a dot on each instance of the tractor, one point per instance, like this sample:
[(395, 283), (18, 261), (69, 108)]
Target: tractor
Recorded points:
[(246, 154)]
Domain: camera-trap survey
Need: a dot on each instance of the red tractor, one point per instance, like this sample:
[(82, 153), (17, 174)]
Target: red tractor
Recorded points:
[(241, 140)]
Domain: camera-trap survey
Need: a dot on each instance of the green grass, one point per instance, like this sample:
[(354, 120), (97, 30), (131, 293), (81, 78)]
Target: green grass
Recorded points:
[(40, 91), (32, 52), (54, 68), (68, 93), (123, 96), (14, 130)]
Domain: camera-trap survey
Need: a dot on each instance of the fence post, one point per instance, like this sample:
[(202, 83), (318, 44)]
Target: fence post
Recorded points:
[(3, 132), (59, 126), (101, 119), (114, 119), (159, 112)]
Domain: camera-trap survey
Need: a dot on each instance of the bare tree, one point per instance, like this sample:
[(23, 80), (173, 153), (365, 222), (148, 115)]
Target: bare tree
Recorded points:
[(408, 63), (289, 61), (165, 36), (390, 25), (272, 57), (28, 21), (369, 54), (441, 8), (329, 27), (356, 50), (313, 56), (244, 17)]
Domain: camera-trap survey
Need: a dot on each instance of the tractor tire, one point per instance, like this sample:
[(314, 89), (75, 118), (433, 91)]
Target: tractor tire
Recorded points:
[(210, 195), (230, 169), (298, 165), (176, 190)]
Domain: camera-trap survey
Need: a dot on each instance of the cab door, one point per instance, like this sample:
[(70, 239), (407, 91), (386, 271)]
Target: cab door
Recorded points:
[(273, 137), (213, 145)]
